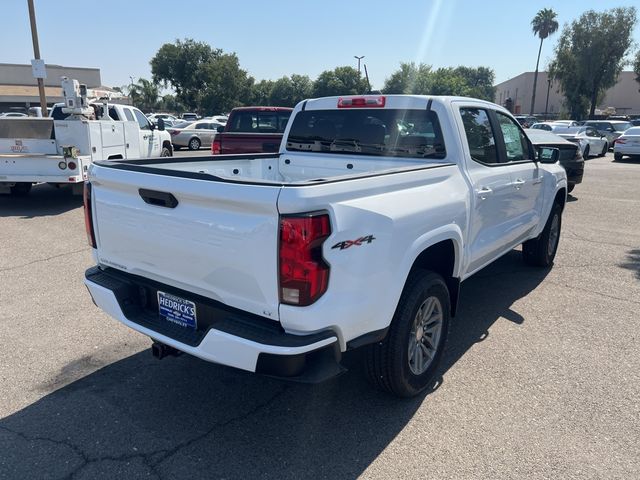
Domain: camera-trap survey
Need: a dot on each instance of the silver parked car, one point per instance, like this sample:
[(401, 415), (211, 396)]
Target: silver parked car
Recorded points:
[(611, 129), (193, 134), (591, 142), (627, 144)]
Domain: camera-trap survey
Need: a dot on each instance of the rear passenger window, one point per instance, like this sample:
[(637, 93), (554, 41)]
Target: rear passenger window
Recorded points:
[(514, 139), (480, 136), (129, 115)]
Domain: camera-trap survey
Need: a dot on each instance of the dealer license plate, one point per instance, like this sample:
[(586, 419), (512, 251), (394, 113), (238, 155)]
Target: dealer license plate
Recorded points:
[(177, 310)]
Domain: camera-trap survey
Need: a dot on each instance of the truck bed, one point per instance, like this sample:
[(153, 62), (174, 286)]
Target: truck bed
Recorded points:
[(279, 169)]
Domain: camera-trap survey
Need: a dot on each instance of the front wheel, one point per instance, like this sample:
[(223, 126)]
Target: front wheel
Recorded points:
[(541, 251), (405, 361), (605, 149), (166, 152), (194, 144), (586, 152)]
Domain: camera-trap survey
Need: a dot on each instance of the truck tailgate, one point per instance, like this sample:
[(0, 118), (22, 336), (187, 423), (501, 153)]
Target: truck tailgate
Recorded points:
[(218, 241)]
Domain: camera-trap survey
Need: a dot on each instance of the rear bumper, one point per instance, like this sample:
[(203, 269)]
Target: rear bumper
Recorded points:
[(41, 178), (226, 336)]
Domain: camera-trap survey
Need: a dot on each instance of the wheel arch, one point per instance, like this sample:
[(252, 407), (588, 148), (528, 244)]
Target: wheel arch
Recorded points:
[(442, 254)]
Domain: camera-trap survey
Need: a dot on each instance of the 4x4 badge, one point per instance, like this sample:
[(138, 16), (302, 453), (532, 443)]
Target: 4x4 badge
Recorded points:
[(351, 243)]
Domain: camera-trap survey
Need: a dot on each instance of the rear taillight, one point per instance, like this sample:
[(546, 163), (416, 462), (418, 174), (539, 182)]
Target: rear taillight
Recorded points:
[(216, 147), (174, 132), (304, 275), (578, 155), (362, 102), (621, 141), (88, 217)]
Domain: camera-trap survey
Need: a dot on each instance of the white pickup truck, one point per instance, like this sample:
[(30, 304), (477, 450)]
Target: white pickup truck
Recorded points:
[(37, 150), (356, 234)]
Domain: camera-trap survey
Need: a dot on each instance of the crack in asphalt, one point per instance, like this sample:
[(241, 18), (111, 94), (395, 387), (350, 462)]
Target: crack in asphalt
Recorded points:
[(599, 242), (16, 267), (574, 287), (160, 454)]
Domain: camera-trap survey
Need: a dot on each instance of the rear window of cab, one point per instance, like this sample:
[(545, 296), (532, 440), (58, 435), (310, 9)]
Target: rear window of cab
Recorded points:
[(368, 131)]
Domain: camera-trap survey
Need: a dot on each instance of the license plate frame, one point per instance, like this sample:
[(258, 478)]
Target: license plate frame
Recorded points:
[(177, 310)]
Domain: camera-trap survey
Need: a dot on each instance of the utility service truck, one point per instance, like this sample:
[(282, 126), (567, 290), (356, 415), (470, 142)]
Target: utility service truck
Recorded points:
[(59, 149)]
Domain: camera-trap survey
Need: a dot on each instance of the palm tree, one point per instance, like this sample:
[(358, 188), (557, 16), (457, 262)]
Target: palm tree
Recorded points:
[(144, 94), (543, 25)]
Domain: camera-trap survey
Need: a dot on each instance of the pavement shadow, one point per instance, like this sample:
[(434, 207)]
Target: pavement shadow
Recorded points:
[(184, 418), (44, 200), (632, 262), (635, 160)]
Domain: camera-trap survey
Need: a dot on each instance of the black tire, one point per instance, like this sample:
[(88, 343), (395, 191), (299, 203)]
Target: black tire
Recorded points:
[(20, 189), (604, 151), (586, 153), (176, 147), (166, 152), (388, 366), (617, 157), (194, 144), (540, 251), (570, 188)]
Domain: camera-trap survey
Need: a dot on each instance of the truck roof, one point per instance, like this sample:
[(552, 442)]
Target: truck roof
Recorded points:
[(394, 101)]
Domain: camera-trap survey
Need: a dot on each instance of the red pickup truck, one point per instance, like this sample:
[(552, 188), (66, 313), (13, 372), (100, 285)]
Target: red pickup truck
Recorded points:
[(251, 130)]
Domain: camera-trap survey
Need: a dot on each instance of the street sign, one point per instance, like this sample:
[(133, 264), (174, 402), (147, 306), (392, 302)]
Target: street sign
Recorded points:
[(38, 68)]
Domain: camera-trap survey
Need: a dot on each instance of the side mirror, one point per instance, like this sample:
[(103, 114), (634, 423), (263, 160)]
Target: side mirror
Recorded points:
[(220, 129), (548, 154), (161, 124), (152, 126)]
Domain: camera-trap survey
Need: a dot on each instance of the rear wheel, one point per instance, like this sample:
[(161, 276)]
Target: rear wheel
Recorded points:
[(194, 144), (617, 157), (541, 251), (570, 188), (405, 361), (20, 189)]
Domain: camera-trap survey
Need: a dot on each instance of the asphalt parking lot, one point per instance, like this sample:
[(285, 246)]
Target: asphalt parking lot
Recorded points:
[(541, 378)]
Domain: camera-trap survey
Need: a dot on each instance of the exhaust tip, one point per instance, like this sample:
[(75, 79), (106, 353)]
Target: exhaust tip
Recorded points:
[(160, 350)]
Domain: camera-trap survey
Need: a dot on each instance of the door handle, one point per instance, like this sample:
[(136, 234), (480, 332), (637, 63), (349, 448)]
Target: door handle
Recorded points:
[(484, 192), (160, 199)]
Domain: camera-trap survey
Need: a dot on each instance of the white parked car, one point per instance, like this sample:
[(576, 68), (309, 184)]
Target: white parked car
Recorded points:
[(13, 115), (193, 135), (591, 142), (627, 144)]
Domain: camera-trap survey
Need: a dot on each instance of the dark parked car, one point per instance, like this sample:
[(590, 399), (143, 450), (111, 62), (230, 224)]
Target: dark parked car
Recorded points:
[(570, 154), (526, 120)]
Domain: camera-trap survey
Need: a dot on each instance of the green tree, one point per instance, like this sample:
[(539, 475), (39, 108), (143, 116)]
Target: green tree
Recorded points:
[(340, 81), (225, 85), (144, 94), (636, 67), (479, 82), (543, 25), (181, 66), (447, 81), (409, 79), (288, 91), (590, 56), (261, 92)]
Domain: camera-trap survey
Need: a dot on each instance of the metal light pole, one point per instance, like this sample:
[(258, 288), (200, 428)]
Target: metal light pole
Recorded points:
[(36, 54), (358, 58)]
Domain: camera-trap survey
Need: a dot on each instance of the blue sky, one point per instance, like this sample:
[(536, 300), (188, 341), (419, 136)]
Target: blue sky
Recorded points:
[(281, 37)]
